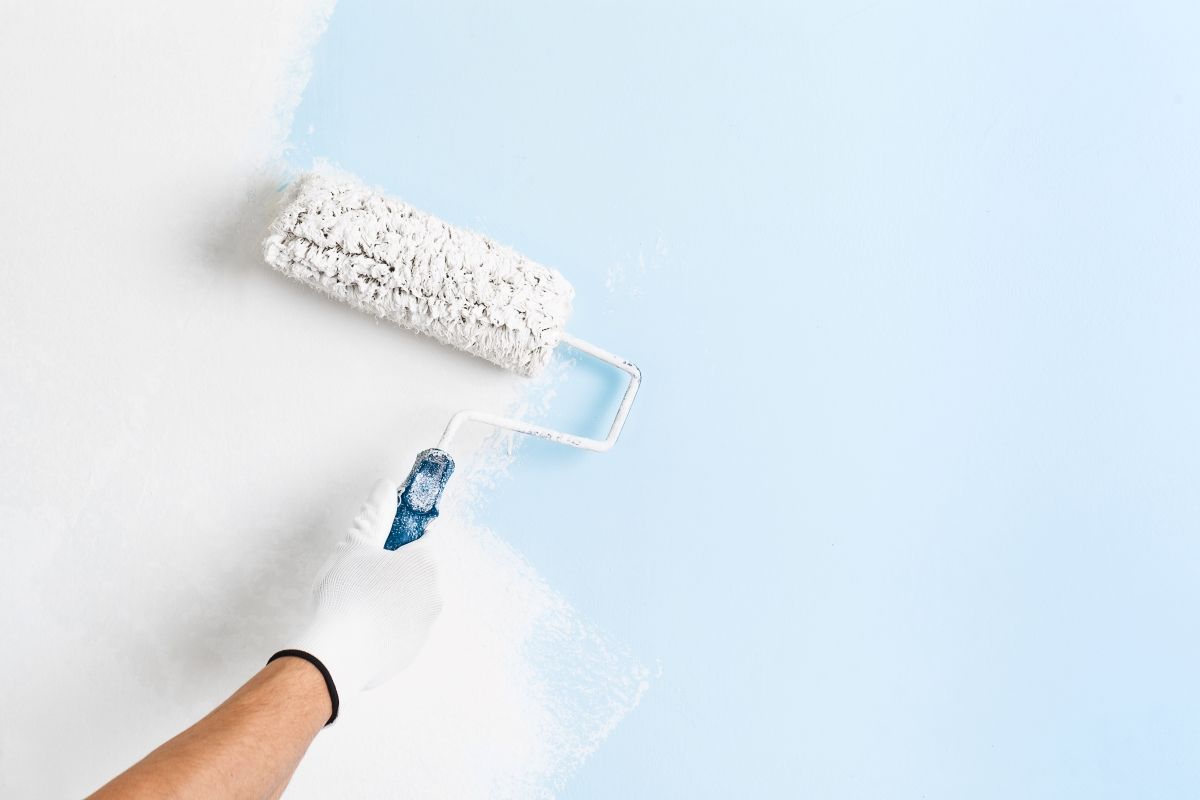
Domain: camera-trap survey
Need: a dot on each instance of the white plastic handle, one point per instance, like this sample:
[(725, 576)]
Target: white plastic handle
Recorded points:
[(520, 426)]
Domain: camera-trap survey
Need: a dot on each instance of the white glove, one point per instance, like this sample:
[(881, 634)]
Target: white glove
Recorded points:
[(374, 607)]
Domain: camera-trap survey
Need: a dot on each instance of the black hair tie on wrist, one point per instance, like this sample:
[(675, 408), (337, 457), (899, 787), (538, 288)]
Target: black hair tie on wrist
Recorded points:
[(316, 662)]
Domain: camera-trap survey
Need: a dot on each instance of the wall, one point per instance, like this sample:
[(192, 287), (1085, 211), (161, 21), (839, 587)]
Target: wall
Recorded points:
[(905, 508)]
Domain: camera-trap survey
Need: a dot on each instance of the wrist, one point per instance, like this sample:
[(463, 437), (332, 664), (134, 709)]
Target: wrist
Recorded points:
[(311, 682), (340, 645)]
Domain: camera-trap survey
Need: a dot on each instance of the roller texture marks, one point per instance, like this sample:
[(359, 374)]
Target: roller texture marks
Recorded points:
[(383, 256)]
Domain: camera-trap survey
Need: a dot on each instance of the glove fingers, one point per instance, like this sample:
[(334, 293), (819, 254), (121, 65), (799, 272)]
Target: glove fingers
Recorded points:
[(374, 520)]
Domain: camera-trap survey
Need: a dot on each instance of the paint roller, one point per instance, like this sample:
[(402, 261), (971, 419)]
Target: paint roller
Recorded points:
[(387, 258)]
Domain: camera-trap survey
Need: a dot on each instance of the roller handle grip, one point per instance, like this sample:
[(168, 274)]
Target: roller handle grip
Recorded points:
[(416, 501)]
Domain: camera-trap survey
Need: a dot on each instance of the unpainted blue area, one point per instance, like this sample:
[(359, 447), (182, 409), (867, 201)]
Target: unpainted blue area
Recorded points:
[(908, 505)]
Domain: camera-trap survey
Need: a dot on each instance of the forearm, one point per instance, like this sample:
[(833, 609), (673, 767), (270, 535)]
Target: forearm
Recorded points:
[(372, 612), (247, 747)]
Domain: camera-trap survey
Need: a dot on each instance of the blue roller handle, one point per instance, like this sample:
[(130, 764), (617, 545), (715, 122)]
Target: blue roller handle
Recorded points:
[(416, 502)]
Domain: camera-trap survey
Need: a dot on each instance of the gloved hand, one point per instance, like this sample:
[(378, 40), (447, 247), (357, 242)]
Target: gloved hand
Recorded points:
[(374, 608)]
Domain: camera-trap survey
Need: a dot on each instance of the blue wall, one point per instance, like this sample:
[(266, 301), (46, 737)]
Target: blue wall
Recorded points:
[(908, 506)]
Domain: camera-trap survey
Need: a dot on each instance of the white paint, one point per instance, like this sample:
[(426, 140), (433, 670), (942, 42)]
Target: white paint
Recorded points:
[(626, 280), (184, 434), (511, 694)]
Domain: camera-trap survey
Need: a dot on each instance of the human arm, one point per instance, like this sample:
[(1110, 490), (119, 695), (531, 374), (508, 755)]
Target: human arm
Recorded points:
[(248, 746), (372, 612)]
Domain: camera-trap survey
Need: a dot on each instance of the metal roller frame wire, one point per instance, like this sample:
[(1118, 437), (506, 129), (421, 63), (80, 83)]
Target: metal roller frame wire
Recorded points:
[(549, 434)]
